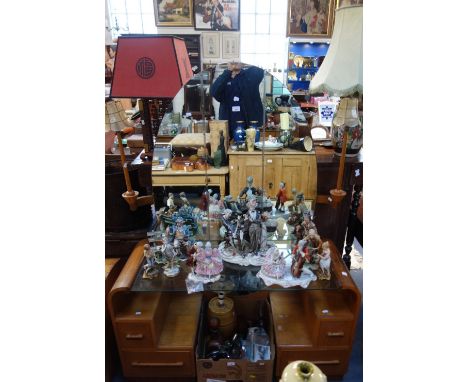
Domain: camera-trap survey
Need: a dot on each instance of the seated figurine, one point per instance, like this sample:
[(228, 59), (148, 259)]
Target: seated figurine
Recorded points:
[(249, 190)]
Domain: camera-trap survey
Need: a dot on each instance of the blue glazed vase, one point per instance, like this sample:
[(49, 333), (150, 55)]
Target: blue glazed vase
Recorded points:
[(239, 133)]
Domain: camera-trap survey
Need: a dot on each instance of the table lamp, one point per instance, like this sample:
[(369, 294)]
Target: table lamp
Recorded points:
[(341, 75), (146, 67)]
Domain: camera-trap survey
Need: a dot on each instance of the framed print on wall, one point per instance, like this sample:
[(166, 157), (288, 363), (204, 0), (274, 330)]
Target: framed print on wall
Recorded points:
[(210, 42), (231, 45), (310, 18), (217, 15), (173, 13), (345, 3)]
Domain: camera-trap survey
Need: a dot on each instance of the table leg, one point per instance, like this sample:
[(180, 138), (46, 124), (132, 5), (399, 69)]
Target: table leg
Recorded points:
[(222, 186)]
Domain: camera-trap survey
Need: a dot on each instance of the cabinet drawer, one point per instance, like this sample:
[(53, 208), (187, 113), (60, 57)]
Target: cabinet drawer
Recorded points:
[(158, 364), (331, 362), (134, 335), (336, 333)]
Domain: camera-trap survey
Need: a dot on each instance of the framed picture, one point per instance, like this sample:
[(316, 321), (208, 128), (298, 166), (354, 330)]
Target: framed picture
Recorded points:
[(173, 13), (217, 15), (310, 18), (345, 3), (210, 42), (231, 45)]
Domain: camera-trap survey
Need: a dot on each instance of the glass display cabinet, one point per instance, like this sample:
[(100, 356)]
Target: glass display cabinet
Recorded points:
[(219, 264)]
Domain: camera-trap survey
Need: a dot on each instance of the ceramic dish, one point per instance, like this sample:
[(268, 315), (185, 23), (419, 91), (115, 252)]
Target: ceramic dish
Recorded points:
[(269, 146)]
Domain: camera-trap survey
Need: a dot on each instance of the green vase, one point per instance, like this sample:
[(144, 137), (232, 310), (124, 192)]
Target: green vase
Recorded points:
[(217, 159)]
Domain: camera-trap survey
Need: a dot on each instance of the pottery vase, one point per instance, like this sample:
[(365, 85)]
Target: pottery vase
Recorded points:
[(346, 121), (250, 139), (302, 371)]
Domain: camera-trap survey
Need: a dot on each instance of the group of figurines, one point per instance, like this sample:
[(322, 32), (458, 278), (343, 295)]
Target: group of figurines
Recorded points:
[(245, 225)]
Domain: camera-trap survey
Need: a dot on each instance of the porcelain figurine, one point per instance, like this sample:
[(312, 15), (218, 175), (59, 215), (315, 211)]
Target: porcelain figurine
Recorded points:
[(297, 209), (184, 199), (301, 230), (254, 226), (231, 232), (275, 264), (281, 197), (314, 243), (209, 261), (149, 268), (249, 190), (302, 260), (204, 201), (179, 234), (230, 204), (170, 201), (171, 269), (281, 226), (325, 261)]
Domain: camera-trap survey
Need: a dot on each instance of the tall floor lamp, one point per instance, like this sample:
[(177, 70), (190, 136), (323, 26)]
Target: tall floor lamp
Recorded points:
[(341, 75), (147, 67)]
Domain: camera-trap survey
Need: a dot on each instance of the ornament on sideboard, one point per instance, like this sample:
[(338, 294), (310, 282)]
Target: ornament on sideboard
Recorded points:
[(171, 268), (248, 191), (149, 268), (281, 197), (325, 262), (275, 264)]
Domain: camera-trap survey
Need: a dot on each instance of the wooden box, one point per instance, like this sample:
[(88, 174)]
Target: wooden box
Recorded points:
[(246, 306)]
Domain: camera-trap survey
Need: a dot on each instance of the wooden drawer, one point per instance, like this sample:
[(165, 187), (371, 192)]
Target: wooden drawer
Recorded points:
[(334, 333), (331, 362), (134, 335), (158, 364)]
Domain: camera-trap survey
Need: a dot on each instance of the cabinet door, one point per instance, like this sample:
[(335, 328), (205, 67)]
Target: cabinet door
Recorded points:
[(297, 174)]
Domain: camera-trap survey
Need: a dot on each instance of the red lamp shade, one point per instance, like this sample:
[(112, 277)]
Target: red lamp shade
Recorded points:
[(150, 66)]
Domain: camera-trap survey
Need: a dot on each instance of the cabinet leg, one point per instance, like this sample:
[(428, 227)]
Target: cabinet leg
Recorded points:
[(352, 221)]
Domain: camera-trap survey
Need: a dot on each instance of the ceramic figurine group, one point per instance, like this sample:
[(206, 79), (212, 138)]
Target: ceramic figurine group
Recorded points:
[(311, 254), (246, 222)]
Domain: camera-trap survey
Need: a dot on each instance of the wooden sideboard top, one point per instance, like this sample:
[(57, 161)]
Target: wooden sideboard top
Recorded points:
[(284, 151)]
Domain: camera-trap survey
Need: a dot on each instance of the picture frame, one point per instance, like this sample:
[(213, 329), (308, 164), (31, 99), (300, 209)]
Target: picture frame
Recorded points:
[(226, 18), (345, 3), (231, 44), (210, 44), (310, 18), (173, 13)]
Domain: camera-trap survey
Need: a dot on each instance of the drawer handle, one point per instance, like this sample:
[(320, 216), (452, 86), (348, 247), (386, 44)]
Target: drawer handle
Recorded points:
[(269, 161), (331, 362), (335, 334), (134, 336), (157, 364), (208, 180)]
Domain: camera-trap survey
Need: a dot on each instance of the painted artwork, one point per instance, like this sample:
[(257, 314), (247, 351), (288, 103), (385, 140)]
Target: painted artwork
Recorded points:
[(217, 15), (310, 18), (173, 13)]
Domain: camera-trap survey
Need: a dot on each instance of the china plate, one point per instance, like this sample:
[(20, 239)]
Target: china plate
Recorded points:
[(269, 146)]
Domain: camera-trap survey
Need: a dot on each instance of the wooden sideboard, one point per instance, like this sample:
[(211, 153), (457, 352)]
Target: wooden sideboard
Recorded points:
[(156, 330)]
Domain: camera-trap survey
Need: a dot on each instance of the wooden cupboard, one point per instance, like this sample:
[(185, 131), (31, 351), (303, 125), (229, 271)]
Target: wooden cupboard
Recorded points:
[(297, 169)]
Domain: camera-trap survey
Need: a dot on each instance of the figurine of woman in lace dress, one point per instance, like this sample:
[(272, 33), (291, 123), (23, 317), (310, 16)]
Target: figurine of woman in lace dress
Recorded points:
[(275, 265), (209, 261)]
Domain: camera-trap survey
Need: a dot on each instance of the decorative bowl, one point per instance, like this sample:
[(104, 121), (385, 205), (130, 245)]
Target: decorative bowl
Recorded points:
[(269, 146)]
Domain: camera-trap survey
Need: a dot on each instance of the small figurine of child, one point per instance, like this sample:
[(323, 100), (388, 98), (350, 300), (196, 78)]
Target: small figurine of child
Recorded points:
[(325, 261), (281, 197), (170, 201)]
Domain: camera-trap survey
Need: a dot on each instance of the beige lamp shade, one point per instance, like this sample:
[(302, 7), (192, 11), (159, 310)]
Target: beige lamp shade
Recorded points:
[(341, 71), (116, 119)]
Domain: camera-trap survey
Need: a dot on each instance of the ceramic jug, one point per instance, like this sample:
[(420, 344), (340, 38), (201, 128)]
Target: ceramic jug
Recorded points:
[(302, 371)]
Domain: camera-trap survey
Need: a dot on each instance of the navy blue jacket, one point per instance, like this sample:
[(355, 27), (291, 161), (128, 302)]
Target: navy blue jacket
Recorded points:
[(250, 101)]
